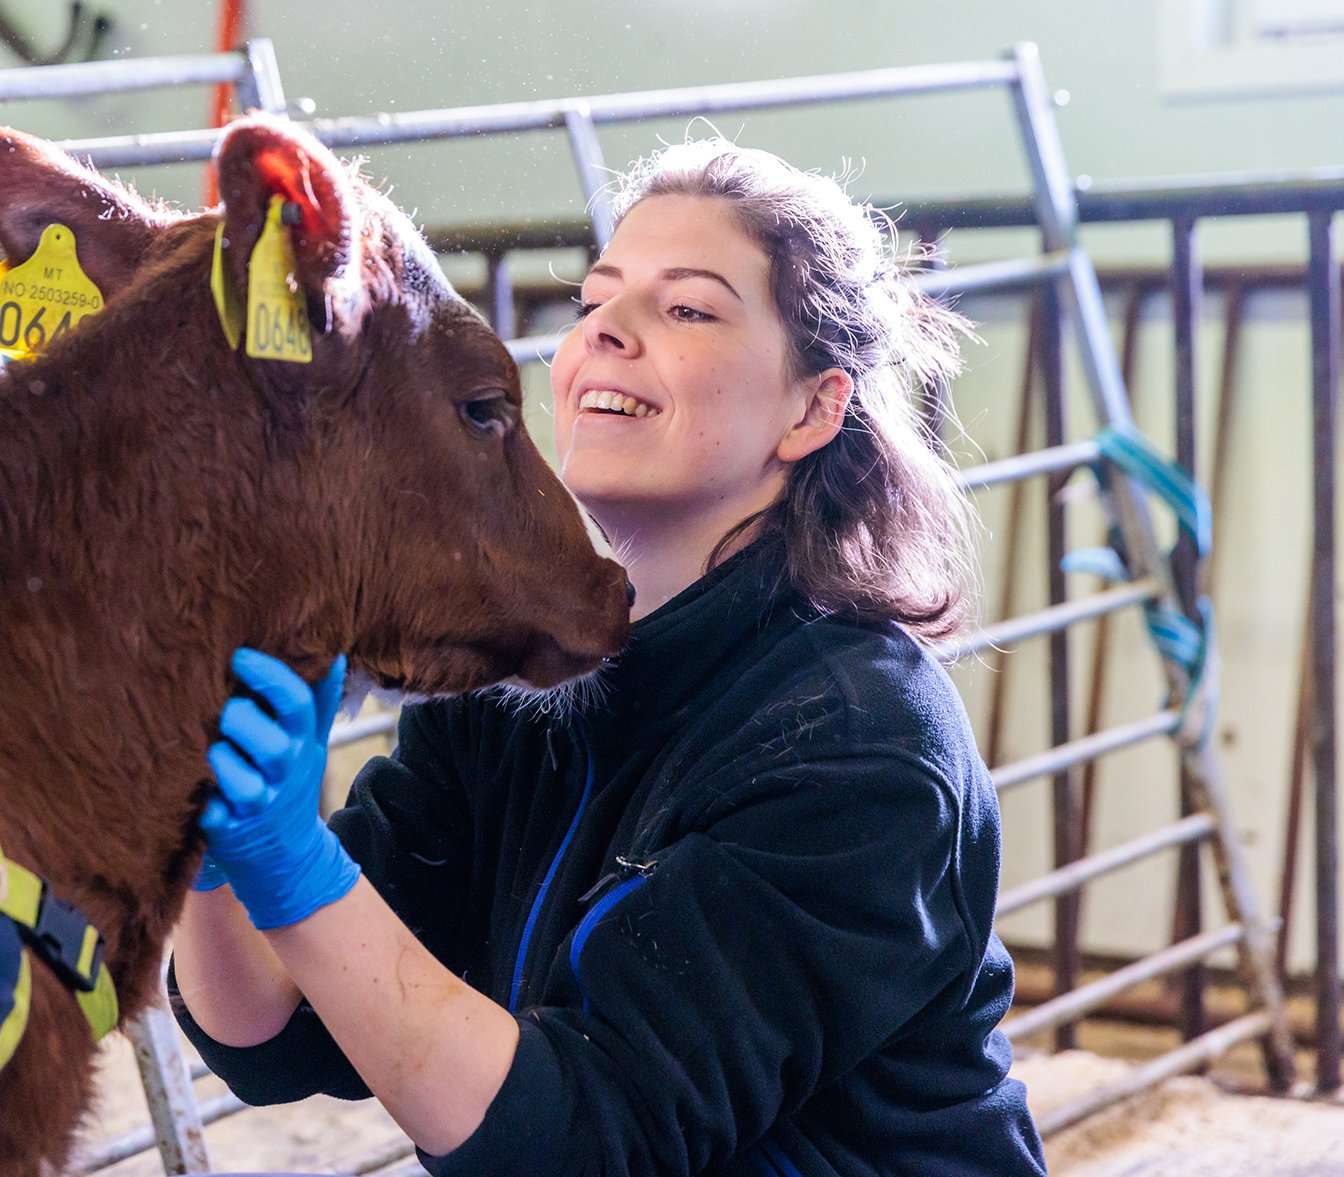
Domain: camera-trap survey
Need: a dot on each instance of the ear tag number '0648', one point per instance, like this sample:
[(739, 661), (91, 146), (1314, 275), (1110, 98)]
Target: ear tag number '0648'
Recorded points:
[(44, 297), (277, 312)]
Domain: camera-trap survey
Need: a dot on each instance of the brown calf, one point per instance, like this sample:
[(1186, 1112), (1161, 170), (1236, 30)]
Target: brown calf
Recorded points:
[(164, 498)]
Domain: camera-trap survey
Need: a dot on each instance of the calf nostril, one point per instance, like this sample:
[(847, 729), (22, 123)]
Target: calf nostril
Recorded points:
[(629, 591)]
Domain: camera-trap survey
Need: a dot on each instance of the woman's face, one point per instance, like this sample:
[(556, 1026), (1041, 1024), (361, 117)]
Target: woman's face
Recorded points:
[(672, 395)]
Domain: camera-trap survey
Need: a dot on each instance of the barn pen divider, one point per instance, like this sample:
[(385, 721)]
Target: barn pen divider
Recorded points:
[(1130, 475)]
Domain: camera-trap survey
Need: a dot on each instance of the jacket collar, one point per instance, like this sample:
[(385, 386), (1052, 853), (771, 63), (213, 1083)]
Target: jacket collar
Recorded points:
[(673, 652)]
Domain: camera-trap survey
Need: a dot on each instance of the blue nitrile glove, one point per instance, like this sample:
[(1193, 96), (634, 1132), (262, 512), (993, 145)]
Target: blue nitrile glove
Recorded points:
[(262, 829), (209, 877)]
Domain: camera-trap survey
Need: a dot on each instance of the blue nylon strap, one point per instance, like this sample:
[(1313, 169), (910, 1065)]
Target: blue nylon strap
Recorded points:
[(1134, 454), (1180, 640)]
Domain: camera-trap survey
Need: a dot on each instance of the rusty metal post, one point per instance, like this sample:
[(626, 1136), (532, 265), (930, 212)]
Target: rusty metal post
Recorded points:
[(1068, 955), (1324, 295), (1001, 665), (1186, 295)]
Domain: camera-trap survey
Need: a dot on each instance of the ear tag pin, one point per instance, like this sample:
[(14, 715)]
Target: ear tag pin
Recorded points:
[(227, 302), (44, 297), (277, 311)]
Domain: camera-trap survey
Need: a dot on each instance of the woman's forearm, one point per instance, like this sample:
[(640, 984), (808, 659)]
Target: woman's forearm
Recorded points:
[(433, 1050), (229, 976)]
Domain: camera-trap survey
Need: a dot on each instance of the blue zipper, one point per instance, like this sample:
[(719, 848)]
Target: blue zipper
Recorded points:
[(532, 915), (779, 1163), (589, 922)]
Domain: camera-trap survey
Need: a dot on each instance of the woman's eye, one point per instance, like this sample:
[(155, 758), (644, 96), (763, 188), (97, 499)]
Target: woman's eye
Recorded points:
[(492, 413), (584, 309), (690, 314)]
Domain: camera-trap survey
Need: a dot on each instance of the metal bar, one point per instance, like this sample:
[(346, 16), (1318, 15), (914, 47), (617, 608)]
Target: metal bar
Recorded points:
[(1046, 621), (1085, 749), (1187, 293), (173, 1113), (1234, 880), (1073, 1005), (1233, 194), (1000, 667), (1068, 957), (1324, 287), (1052, 460), (499, 301), (409, 126), (1180, 1061), (593, 173), (86, 78), (260, 87), (1006, 275), (534, 347), (1297, 777), (1069, 878), (160, 147), (140, 1140), (1053, 203), (1234, 316)]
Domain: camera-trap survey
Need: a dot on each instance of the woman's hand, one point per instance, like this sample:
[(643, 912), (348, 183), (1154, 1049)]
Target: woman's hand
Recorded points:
[(262, 827)]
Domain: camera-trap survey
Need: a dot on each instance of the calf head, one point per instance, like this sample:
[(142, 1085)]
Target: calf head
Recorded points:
[(382, 498)]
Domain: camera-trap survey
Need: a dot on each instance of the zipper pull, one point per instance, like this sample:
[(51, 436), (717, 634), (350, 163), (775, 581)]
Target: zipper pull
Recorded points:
[(596, 887)]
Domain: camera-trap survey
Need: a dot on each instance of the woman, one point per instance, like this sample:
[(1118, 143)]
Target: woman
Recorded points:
[(731, 912)]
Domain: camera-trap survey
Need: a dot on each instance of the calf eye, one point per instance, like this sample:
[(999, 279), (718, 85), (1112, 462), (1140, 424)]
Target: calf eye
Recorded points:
[(491, 412)]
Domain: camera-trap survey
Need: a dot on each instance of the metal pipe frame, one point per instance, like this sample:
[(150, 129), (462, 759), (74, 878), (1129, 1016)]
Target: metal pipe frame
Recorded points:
[(1059, 459), (1071, 877), (1075, 1004), (1013, 274), (1187, 294), (1324, 287), (1085, 749), (87, 78), (1049, 620), (1193, 1055), (425, 125)]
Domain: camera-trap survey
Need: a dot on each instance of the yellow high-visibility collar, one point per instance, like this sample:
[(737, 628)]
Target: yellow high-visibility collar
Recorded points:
[(60, 935)]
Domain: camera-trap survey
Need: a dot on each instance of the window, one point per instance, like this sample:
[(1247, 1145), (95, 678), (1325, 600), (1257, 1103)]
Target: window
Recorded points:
[(1238, 48)]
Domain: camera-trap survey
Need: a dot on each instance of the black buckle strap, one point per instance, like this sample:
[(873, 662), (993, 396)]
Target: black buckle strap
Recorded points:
[(58, 938)]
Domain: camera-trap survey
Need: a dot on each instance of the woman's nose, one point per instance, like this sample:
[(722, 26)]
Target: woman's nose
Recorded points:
[(608, 328)]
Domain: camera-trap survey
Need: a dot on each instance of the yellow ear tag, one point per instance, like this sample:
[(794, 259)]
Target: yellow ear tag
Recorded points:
[(44, 297), (277, 312), (227, 302)]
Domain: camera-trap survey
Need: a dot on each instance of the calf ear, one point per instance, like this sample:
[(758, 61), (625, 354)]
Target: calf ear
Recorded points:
[(41, 185), (260, 158)]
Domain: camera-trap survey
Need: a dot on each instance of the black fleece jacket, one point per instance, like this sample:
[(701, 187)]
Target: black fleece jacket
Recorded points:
[(741, 906)]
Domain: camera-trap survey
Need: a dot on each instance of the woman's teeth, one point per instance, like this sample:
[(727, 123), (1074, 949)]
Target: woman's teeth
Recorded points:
[(616, 402)]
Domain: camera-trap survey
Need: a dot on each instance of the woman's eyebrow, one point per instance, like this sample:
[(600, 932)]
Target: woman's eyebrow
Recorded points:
[(604, 270)]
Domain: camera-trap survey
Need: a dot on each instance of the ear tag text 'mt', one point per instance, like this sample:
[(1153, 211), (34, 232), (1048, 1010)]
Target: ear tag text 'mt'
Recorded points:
[(44, 297), (277, 311)]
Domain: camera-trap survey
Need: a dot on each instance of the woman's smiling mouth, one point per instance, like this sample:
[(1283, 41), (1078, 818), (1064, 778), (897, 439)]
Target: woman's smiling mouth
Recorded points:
[(616, 403)]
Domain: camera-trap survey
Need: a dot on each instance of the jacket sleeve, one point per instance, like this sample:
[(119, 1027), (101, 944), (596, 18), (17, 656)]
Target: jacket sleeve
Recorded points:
[(813, 915), (405, 824)]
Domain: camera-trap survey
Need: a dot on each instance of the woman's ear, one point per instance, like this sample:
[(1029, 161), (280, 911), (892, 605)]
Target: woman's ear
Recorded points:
[(827, 396)]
